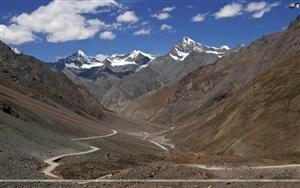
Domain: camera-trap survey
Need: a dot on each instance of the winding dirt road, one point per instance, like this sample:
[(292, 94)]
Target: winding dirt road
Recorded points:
[(52, 162), (96, 137)]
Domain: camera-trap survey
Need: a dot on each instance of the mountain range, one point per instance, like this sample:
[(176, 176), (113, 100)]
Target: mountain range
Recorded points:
[(119, 79), (154, 117), (99, 74)]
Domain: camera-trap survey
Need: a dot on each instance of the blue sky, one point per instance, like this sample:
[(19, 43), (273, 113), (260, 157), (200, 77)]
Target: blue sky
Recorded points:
[(52, 29)]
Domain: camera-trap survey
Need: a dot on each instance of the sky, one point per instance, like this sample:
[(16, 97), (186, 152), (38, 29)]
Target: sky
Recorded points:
[(51, 29)]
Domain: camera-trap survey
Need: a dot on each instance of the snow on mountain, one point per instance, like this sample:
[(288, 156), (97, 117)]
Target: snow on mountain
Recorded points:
[(141, 67), (224, 47), (101, 57), (136, 53), (135, 57), (184, 47), (119, 61), (93, 64), (81, 53), (16, 50), (79, 60)]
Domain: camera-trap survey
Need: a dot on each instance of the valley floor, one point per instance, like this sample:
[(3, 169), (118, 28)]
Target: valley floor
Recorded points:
[(47, 143)]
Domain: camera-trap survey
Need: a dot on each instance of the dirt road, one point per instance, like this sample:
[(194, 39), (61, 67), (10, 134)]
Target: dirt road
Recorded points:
[(53, 164), (96, 137)]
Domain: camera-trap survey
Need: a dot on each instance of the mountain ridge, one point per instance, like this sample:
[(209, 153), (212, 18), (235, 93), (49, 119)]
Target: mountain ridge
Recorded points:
[(259, 120), (163, 70), (208, 85)]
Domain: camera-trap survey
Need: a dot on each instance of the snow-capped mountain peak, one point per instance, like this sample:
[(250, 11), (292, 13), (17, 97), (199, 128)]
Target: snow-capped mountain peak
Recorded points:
[(135, 57), (81, 53), (186, 45), (188, 41), (136, 53), (183, 48), (79, 60)]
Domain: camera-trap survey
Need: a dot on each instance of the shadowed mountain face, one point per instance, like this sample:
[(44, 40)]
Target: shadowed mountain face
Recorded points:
[(33, 78), (186, 56), (207, 86), (260, 119)]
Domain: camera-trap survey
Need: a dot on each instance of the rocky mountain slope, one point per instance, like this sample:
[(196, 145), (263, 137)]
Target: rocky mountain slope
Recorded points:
[(207, 86), (262, 119), (184, 57), (33, 78), (98, 75)]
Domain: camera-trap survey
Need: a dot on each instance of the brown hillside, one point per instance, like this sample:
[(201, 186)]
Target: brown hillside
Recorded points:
[(261, 119), (33, 78)]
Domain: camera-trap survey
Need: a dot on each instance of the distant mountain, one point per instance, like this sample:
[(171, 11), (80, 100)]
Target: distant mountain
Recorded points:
[(184, 47), (135, 57), (79, 60), (99, 74), (117, 79), (184, 57)]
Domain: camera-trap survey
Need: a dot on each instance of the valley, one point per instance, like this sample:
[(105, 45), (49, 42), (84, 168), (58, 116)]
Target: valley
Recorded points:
[(195, 116)]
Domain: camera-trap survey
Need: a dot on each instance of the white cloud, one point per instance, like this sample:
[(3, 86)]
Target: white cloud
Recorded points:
[(161, 16), (15, 34), (107, 35), (164, 13), (128, 16), (168, 9), (142, 32), (198, 17), (165, 27), (255, 6), (60, 20), (101, 57), (229, 10), (258, 9)]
